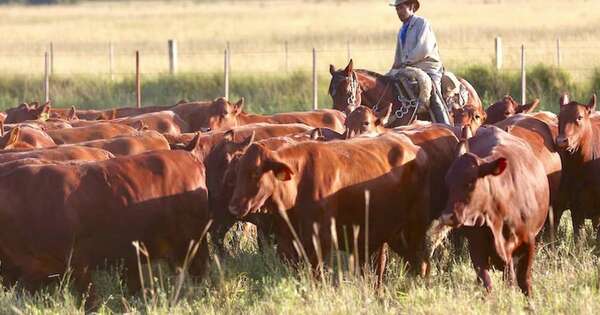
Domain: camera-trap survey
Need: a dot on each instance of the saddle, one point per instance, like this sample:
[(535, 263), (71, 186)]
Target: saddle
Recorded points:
[(414, 90)]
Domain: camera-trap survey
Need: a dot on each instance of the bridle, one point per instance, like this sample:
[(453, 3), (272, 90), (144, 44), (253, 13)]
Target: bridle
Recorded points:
[(353, 98)]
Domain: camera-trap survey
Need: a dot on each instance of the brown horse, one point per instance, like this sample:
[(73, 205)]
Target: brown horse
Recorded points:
[(350, 88)]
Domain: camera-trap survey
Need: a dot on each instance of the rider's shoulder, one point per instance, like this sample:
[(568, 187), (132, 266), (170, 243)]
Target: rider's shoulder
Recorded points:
[(419, 21)]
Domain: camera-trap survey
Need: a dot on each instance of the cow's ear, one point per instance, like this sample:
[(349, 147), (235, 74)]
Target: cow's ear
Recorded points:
[(232, 147), (1, 128), (316, 134), (349, 68), (72, 115), (495, 168), (564, 99), (182, 101), (331, 69), (592, 104), (281, 170), (383, 116), (44, 111), (229, 135), (462, 147), (239, 106), (528, 108), (13, 137), (195, 144)]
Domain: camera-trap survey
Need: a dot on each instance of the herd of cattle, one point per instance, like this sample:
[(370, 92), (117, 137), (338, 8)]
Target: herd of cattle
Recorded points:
[(79, 186)]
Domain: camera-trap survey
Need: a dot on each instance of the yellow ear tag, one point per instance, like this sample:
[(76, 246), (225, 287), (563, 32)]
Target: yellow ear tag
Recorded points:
[(44, 116), (281, 176)]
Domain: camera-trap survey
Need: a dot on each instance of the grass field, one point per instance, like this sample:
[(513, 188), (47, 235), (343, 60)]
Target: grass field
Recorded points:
[(566, 280), (257, 30)]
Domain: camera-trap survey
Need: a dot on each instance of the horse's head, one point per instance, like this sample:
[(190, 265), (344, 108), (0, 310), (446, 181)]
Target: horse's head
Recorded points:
[(344, 88)]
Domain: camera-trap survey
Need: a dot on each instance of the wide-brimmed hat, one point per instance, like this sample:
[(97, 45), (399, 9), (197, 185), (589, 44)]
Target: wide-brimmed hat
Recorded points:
[(394, 3)]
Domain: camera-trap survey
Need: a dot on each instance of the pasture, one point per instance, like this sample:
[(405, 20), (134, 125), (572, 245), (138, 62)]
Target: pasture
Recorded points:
[(253, 280)]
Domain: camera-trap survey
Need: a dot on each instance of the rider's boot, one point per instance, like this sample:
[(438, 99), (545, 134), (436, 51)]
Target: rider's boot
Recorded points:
[(438, 111)]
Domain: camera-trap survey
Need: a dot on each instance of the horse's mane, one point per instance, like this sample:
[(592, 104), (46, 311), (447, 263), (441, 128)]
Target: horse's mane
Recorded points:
[(371, 73), (374, 74)]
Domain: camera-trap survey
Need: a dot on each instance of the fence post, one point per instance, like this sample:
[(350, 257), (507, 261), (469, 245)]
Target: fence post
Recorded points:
[(111, 53), (558, 56), (46, 77), (138, 85), (523, 76), (314, 70), (226, 73), (51, 58), (172, 56), (287, 64), (498, 53)]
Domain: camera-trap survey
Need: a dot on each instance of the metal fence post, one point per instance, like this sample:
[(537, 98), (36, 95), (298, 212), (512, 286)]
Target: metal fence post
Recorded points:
[(172, 56), (138, 85), (111, 53), (46, 77), (523, 76), (226, 73), (498, 53), (558, 56), (314, 70), (51, 58)]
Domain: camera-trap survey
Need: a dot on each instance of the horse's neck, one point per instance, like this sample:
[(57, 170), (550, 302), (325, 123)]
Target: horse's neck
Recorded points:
[(373, 89)]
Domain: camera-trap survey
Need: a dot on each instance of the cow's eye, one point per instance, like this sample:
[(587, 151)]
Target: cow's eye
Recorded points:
[(506, 113), (470, 186), (579, 118), (366, 123)]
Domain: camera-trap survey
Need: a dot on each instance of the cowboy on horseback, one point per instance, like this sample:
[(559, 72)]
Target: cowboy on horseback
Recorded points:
[(417, 47)]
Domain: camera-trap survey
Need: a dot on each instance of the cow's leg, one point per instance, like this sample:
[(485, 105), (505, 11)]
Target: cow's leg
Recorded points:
[(218, 232), (83, 283), (596, 226), (381, 263), (524, 268), (509, 272), (197, 266), (479, 249), (578, 223)]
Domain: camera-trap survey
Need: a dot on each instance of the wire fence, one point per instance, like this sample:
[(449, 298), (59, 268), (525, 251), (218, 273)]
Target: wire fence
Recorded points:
[(118, 58)]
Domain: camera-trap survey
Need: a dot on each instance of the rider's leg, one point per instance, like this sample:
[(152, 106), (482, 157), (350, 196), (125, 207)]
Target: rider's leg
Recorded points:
[(439, 111)]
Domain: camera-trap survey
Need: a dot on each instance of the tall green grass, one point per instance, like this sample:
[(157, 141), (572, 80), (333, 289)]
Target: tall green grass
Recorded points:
[(273, 92)]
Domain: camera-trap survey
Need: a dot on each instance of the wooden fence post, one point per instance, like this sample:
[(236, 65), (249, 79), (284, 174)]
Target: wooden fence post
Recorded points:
[(172, 56), (558, 56), (138, 85), (314, 70), (46, 77), (348, 49), (111, 53), (226, 73), (523, 76), (498, 53)]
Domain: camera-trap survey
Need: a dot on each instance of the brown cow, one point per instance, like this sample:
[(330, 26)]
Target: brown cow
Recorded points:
[(25, 137), (220, 174), (498, 196), (221, 114), (579, 131), (26, 111), (58, 153), (468, 116), (92, 132), (506, 108), (86, 214), (312, 183), (165, 122), (140, 142)]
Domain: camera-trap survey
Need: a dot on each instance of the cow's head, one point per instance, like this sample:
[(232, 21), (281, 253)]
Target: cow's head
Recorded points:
[(26, 112), (364, 120), (259, 172), (222, 114), (507, 107), (574, 123), (468, 116), (467, 190), (344, 88)]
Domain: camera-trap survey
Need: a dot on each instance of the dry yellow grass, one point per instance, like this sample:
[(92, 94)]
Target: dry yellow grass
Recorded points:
[(257, 31)]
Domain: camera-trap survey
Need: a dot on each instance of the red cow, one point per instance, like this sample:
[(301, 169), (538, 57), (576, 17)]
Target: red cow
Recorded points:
[(92, 132), (506, 108), (579, 131), (498, 197)]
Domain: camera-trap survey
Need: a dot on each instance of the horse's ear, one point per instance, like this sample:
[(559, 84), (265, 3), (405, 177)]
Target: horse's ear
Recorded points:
[(349, 68), (331, 69), (72, 115)]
